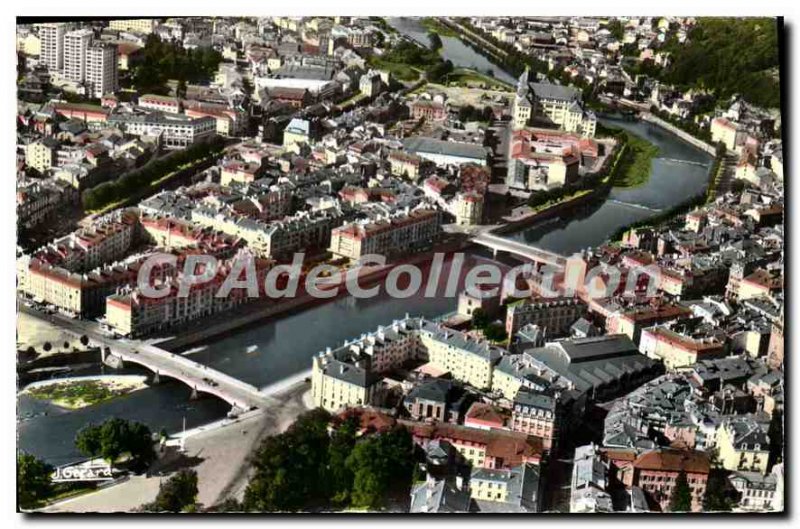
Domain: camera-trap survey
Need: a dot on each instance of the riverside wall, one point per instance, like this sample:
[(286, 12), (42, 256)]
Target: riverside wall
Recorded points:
[(682, 134)]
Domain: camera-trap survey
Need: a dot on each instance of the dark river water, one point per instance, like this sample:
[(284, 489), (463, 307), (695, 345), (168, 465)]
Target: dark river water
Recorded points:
[(261, 355), (283, 347), (453, 49), (679, 172)]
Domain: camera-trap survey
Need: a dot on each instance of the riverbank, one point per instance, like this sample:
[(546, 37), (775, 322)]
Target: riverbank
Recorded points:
[(219, 452), (74, 393), (260, 311)]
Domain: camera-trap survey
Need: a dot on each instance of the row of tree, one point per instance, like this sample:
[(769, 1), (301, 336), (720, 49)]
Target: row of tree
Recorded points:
[(137, 180), (307, 468)]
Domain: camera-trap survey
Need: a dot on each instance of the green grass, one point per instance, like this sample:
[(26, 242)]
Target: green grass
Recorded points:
[(76, 394), (469, 77), (435, 25), (400, 71), (635, 165)]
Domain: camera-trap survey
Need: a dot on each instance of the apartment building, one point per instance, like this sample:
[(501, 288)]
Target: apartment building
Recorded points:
[(236, 171), (489, 449), (79, 294), (553, 104), (536, 414), (171, 105), (144, 26), (677, 350), (41, 154), (348, 376), (230, 122), (515, 373), (555, 315), (76, 44), (657, 471), (101, 69), (511, 490), (132, 314), (727, 132), (401, 233), (467, 207), (342, 380), (631, 321), (174, 130), (742, 444), (404, 164), (39, 200), (52, 47), (466, 359)]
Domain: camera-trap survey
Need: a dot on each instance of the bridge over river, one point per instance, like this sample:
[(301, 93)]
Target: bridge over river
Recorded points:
[(201, 378)]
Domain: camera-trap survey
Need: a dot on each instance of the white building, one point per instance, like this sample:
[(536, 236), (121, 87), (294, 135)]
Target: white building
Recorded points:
[(52, 37), (176, 131), (76, 43), (101, 69)]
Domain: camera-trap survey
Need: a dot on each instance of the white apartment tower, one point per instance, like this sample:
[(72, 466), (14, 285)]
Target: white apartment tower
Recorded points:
[(52, 38), (75, 45), (101, 69)]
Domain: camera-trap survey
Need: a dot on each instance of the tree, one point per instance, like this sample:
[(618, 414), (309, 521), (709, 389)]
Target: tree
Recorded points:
[(177, 494), (230, 505), (775, 434), (436, 41), (88, 440), (180, 90), (718, 497), (381, 463), (681, 498), (33, 480), (291, 468), (480, 319), (116, 437), (340, 475)]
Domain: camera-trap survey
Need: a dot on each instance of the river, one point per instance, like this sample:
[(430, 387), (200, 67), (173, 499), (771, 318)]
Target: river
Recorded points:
[(453, 49), (282, 347), (678, 173), (260, 355)]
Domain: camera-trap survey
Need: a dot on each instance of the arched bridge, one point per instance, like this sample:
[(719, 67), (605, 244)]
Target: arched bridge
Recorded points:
[(497, 243), (199, 377)]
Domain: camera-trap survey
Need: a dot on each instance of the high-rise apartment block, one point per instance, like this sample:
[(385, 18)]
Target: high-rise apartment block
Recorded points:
[(76, 43), (52, 39), (101, 69)]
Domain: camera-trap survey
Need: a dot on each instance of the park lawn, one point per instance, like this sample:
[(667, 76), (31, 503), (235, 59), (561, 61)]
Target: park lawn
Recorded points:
[(636, 163)]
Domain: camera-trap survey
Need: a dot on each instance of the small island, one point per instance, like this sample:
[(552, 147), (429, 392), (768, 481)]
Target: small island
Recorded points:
[(79, 393)]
